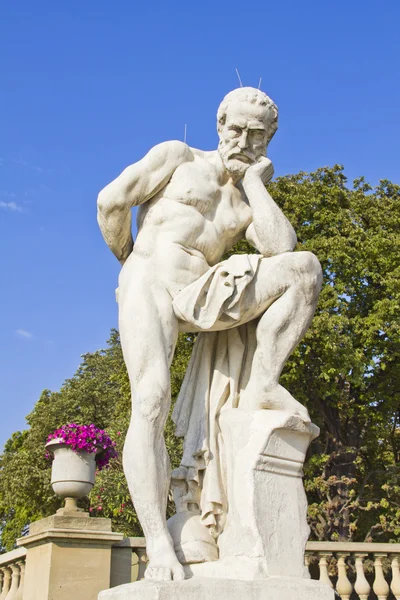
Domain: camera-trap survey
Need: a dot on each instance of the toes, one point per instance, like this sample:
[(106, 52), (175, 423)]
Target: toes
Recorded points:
[(158, 574), (303, 414), (178, 574), (149, 573), (164, 574)]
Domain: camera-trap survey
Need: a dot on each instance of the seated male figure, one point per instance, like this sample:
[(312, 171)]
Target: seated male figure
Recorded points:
[(193, 207)]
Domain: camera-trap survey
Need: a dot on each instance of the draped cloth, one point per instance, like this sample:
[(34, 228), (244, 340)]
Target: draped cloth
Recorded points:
[(218, 370)]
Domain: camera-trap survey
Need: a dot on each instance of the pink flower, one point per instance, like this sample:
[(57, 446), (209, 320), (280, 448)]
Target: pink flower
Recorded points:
[(87, 438)]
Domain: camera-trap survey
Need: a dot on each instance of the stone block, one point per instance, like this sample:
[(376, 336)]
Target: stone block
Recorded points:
[(68, 556), (273, 588)]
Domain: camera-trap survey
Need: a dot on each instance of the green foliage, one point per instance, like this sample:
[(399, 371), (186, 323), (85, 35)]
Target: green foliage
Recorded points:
[(88, 397), (110, 496), (344, 371)]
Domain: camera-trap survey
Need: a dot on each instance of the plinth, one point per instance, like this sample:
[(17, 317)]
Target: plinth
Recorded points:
[(68, 556), (202, 588)]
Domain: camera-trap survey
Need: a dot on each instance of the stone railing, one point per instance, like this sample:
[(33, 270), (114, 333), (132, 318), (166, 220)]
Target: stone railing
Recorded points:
[(81, 556), (128, 560), (12, 569), (357, 570)]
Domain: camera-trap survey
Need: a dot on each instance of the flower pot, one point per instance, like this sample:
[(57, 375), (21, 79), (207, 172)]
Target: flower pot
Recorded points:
[(72, 473)]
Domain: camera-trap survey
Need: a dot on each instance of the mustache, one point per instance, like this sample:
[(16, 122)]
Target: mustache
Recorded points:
[(238, 153)]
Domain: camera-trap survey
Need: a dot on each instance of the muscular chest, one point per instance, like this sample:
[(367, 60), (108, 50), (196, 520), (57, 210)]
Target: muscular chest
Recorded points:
[(194, 185), (221, 205)]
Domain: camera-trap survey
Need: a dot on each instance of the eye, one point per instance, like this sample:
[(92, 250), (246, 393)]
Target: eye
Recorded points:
[(257, 135), (235, 129)]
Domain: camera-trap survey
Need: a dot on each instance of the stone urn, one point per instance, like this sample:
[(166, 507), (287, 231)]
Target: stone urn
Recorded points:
[(72, 473)]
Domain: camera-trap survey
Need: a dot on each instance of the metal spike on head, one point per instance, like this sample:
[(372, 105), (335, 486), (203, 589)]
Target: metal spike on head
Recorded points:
[(259, 83), (240, 81)]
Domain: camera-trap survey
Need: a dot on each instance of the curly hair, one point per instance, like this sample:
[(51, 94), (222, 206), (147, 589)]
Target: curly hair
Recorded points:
[(253, 96)]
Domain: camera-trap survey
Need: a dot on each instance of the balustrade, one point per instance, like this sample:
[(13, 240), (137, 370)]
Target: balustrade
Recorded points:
[(357, 570), (12, 567)]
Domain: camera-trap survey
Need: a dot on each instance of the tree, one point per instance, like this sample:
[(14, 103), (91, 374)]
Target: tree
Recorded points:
[(344, 371), (88, 397)]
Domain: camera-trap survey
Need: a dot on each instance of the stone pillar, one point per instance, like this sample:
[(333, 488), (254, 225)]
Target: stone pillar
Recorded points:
[(266, 528), (68, 556), (267, 516)]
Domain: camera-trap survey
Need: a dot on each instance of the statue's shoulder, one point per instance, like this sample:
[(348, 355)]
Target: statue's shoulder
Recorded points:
[(172, 150)]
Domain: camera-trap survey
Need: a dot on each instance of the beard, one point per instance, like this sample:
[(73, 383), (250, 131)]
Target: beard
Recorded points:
[(235, 160)]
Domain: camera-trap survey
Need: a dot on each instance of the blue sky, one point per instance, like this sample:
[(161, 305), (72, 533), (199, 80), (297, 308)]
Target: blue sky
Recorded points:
[(88, 87)]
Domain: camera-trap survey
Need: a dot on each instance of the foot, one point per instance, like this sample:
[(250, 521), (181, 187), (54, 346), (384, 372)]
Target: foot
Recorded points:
[(274, 397), (163, 563)]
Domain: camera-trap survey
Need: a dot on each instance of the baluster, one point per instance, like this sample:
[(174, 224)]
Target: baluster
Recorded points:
[(323, 568), (361, 585), (14, 582), (6, 582), (343, 585), (142, 557), (1, 580), (395, 585), (380, 586), (19, 594), (307, 561)]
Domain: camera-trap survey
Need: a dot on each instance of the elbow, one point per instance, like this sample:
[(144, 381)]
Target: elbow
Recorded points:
[(102, 203), (292, 241), (281, 246), (286, 243), (112, 200), (107, 203)]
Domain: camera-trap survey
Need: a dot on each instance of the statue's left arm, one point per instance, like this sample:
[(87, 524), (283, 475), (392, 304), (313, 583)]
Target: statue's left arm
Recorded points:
[(270, 232)]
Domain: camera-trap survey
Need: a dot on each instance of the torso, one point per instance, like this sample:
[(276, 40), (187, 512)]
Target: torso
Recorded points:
[(190, 224)]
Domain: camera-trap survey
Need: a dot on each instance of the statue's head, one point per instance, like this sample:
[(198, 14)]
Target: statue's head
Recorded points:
[(246, 121)]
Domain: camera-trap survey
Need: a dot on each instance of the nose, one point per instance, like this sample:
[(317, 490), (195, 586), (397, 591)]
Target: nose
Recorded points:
[(243, 140)]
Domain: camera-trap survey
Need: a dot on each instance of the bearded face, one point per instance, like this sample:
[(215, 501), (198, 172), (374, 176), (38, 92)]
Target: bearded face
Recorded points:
[(243, 137)]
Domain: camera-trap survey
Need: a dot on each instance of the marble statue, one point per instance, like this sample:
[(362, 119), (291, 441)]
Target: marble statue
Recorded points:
[(245, 435)]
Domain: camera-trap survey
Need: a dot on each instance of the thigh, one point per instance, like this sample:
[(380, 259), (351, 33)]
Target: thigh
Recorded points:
[(148, 330), (273, 277)]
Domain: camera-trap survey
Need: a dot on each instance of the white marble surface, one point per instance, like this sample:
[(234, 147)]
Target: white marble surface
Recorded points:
[(250, 312), (274, 588), (265, 530)]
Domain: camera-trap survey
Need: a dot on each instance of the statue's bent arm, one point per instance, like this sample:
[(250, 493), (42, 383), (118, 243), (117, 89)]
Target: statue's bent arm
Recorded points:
[(136, 184), (270, 231)]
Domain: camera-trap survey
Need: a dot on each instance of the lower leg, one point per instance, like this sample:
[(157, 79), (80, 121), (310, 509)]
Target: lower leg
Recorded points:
[(146, 466), (279, 331)]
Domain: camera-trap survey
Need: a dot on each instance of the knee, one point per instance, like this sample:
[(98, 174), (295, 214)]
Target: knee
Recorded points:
[(151, 400), (308, 273)]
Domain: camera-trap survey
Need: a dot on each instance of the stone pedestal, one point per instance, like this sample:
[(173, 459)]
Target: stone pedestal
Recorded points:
[(266, 526), (68, 556), (267, 516), (198, 588)]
